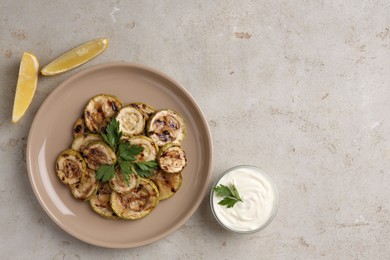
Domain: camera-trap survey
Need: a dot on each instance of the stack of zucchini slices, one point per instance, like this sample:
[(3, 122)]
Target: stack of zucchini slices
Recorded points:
[(159, 132)]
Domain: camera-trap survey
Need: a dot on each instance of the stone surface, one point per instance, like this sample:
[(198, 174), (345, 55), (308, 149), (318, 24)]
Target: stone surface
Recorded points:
[(297, 88)]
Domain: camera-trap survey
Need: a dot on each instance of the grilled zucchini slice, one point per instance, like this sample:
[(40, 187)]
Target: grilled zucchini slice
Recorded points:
[(98, 153), (137, 203), (104, 124), (171, 158), (87, 186), (118, 182), (99, 108), (100, 201), (167, 183), (70, 166), (131, 121), (166, 126), (145, 109), (150, 148), (79, 128), (80, 142)]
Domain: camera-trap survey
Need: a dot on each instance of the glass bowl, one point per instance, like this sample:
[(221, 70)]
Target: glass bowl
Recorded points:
[(258, 191)]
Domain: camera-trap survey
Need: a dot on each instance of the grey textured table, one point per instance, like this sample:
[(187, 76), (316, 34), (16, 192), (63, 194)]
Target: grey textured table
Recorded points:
[(297, 88)]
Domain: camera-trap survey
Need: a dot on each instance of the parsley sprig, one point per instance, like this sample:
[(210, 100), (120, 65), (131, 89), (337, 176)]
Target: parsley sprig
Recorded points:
[(126, 154), (112, 134), (230, 195), (105, 172)]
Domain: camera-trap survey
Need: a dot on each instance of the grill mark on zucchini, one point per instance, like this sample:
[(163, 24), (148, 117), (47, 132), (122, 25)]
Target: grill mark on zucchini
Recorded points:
[(171, 158), (70, 166), (166, 126), (85, 188), (80, 142), (137, 203), (145, 109), (71, 169), (113, 106), (100, 202), (99, 108), (167, 183), (79, 128), (98, 153), (118, 182)]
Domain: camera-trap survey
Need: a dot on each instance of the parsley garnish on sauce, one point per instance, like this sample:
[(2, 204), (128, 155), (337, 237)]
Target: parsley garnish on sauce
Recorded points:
[(230, 195)]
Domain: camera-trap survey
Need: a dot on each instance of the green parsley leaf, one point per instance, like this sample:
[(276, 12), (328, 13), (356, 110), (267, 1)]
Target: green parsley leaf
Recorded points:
[(147, 165), (222, 191), (145, 169), (112, 134), (126, 170), (125, 167), (234, 191), (105, 172), (228, 202), (128, 151), (230, 195)]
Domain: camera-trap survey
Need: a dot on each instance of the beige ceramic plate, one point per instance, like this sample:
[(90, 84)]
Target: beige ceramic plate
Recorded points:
[(51, 132)]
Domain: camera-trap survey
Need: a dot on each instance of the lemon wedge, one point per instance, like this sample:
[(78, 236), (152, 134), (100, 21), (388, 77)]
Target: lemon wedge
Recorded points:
[(76, 57), (27, 83)]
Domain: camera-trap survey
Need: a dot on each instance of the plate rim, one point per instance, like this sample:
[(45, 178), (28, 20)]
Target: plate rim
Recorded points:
[(209, 146)]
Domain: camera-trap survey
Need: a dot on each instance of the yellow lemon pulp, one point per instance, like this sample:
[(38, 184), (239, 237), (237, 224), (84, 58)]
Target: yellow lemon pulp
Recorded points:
[(25, 88), (76, 57)]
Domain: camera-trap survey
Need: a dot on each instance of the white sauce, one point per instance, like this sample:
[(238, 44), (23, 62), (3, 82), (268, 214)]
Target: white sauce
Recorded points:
[(259, 196)]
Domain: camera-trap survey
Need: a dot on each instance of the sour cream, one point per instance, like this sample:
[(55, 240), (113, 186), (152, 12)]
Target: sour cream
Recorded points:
[(259, 196)]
